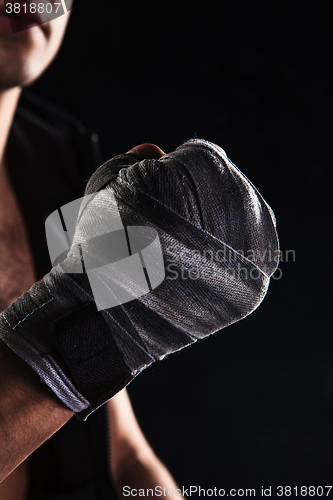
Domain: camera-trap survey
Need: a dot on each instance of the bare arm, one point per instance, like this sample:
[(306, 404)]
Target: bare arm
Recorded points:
[(29, 411), (134, 464)]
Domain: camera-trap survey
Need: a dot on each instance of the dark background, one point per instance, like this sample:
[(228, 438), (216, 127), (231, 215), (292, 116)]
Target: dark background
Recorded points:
[(253, 404)]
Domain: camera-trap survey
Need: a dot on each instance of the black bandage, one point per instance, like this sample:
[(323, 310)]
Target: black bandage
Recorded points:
[(219, 246)]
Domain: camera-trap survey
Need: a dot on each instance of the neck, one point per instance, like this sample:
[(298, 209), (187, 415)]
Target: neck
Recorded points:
[(8, 103)]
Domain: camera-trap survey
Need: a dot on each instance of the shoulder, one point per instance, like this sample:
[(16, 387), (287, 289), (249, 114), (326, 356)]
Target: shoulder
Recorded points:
[(37, 109), (48, 128), (50, 157)]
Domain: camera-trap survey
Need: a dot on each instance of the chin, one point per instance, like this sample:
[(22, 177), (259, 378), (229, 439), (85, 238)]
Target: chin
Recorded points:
[(16, 77), (25, 55), (20, 66)]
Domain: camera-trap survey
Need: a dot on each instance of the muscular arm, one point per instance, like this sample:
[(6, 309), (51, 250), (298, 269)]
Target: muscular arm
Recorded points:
[(29, 411), (134, 463)]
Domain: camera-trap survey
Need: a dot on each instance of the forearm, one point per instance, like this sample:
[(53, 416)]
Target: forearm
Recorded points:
[(134, 464), (29, 411), (146, 471)]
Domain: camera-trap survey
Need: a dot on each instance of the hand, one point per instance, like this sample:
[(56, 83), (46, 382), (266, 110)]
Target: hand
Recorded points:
[(208, 217)]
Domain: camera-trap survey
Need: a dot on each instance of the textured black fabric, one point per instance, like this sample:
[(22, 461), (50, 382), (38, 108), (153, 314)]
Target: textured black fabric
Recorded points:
[(83, 340), (50, 157)]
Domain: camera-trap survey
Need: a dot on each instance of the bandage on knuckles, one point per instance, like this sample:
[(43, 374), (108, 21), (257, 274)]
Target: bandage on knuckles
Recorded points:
[(208, 216)]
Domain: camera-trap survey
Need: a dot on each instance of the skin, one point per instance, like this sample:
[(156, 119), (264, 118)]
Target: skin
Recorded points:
[(24, 56), (29, 412), (135, 463)]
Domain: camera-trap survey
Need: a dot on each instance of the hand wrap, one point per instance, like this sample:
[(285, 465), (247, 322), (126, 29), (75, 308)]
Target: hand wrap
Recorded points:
[(219, 245)]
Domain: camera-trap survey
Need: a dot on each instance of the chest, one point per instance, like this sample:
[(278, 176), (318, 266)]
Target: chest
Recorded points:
[(16, 264)]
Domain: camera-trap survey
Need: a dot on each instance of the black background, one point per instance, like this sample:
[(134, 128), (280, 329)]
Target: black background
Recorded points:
[(253, 404)]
